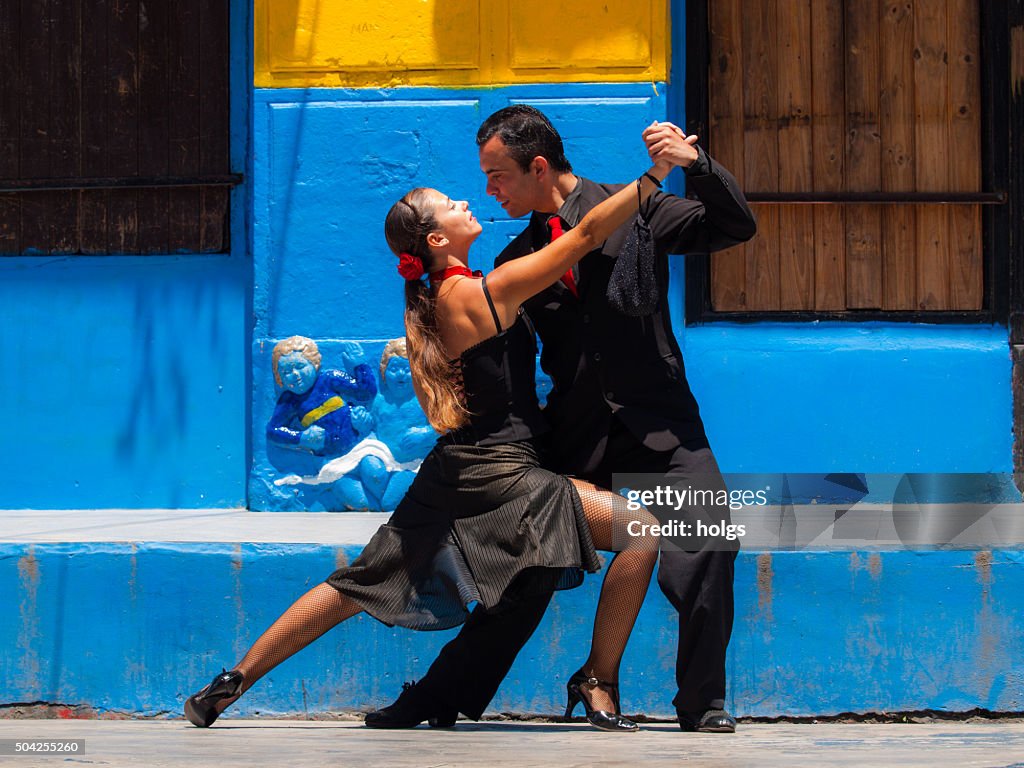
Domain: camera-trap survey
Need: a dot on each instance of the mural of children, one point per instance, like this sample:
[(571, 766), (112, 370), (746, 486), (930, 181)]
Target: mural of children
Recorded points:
[(321, 412), (374, 471)]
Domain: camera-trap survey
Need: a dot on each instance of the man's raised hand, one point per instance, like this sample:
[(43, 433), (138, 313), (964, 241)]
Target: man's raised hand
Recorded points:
[(668, 143)]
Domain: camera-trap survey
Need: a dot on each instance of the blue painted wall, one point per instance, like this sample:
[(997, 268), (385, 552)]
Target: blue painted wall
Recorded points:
[(816, 633), (329, 163), (875, 397), (815, 397), (125, 382)]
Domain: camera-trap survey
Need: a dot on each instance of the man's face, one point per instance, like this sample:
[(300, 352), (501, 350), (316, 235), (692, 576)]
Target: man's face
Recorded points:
[(517, 191)]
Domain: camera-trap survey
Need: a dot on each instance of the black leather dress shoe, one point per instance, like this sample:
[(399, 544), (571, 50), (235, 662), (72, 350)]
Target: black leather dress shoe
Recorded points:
[(410, 709), (708, 721)]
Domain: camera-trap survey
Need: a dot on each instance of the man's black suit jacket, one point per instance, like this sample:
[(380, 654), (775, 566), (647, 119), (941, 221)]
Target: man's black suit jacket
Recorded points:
[(602, 362)]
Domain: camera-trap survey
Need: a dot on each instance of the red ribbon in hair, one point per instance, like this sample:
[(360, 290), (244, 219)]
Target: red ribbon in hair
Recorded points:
[(410, 267)]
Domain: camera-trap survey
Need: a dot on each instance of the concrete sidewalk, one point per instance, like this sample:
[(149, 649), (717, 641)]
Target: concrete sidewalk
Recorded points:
[(305, 744), (187, 526)]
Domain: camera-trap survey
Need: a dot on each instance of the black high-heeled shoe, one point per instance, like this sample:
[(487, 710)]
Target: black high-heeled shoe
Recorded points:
[(599, 718), (201, 708)]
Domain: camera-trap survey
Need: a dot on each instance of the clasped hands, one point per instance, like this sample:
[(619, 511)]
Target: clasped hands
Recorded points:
[(667, 144)]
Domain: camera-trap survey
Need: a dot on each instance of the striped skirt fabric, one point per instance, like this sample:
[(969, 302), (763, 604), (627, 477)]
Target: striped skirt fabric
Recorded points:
[(474, 519)]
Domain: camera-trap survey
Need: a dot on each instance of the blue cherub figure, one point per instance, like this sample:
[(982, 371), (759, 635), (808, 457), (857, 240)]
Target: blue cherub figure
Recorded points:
[(400, 421), (400, 424), (322, 412)]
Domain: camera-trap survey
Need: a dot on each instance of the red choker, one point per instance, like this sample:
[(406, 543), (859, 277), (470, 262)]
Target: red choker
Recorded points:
[(444, 274)]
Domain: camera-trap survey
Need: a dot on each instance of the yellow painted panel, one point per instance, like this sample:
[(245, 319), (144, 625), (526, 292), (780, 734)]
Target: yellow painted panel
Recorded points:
[(369, 43), (580, 33), (327, 35)]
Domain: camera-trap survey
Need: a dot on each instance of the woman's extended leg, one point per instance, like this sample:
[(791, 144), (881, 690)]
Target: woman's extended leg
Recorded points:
[(320, 609), (625, 583)]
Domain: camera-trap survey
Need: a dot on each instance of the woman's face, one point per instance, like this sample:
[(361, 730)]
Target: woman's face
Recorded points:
[(455, 221)]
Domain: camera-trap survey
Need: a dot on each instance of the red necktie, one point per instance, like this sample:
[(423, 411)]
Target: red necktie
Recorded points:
[(556, 232)]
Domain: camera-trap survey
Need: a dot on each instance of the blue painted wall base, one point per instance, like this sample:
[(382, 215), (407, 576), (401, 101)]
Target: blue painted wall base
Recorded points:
[(135, 628)]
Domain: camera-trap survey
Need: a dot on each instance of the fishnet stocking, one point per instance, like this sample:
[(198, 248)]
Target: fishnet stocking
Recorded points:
[(625, 582), (320, 609)]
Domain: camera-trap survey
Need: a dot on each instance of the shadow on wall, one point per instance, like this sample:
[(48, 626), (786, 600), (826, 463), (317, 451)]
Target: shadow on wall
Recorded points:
[(337, 439), (163, 367)]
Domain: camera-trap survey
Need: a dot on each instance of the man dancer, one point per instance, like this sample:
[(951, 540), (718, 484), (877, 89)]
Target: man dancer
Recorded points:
[(620, 403)]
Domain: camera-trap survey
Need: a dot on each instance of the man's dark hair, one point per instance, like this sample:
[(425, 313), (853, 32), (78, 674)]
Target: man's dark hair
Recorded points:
[(527, 133)]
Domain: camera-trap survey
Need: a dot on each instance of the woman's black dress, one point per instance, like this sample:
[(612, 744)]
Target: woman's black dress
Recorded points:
[(481, 509)]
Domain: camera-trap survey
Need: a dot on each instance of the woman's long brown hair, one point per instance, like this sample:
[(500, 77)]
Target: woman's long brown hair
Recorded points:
[(406, 227)]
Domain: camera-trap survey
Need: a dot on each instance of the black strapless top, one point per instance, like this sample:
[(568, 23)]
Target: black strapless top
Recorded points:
[(498, 378)]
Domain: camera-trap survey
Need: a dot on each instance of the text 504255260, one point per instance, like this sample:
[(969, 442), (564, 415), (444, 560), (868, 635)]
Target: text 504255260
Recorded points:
[(42, 746)]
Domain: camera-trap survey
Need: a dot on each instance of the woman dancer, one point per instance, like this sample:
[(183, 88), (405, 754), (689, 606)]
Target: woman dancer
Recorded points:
[(481, 510)]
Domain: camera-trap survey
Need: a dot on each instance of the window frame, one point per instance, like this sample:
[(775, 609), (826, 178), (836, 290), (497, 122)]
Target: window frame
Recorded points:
[(997, 135)]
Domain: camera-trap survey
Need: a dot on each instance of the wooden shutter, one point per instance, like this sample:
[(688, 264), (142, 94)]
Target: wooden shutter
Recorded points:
[(871, 110), (118, 111)]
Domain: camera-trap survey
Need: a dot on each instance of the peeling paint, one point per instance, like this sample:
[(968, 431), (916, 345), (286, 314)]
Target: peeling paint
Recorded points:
[(875, 565), (983, 564), (133, 577), (44, 710), (29, 632), (340, 560), (236, 572), (134, 669), (764, 584), (991, 655), (28, 568)]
